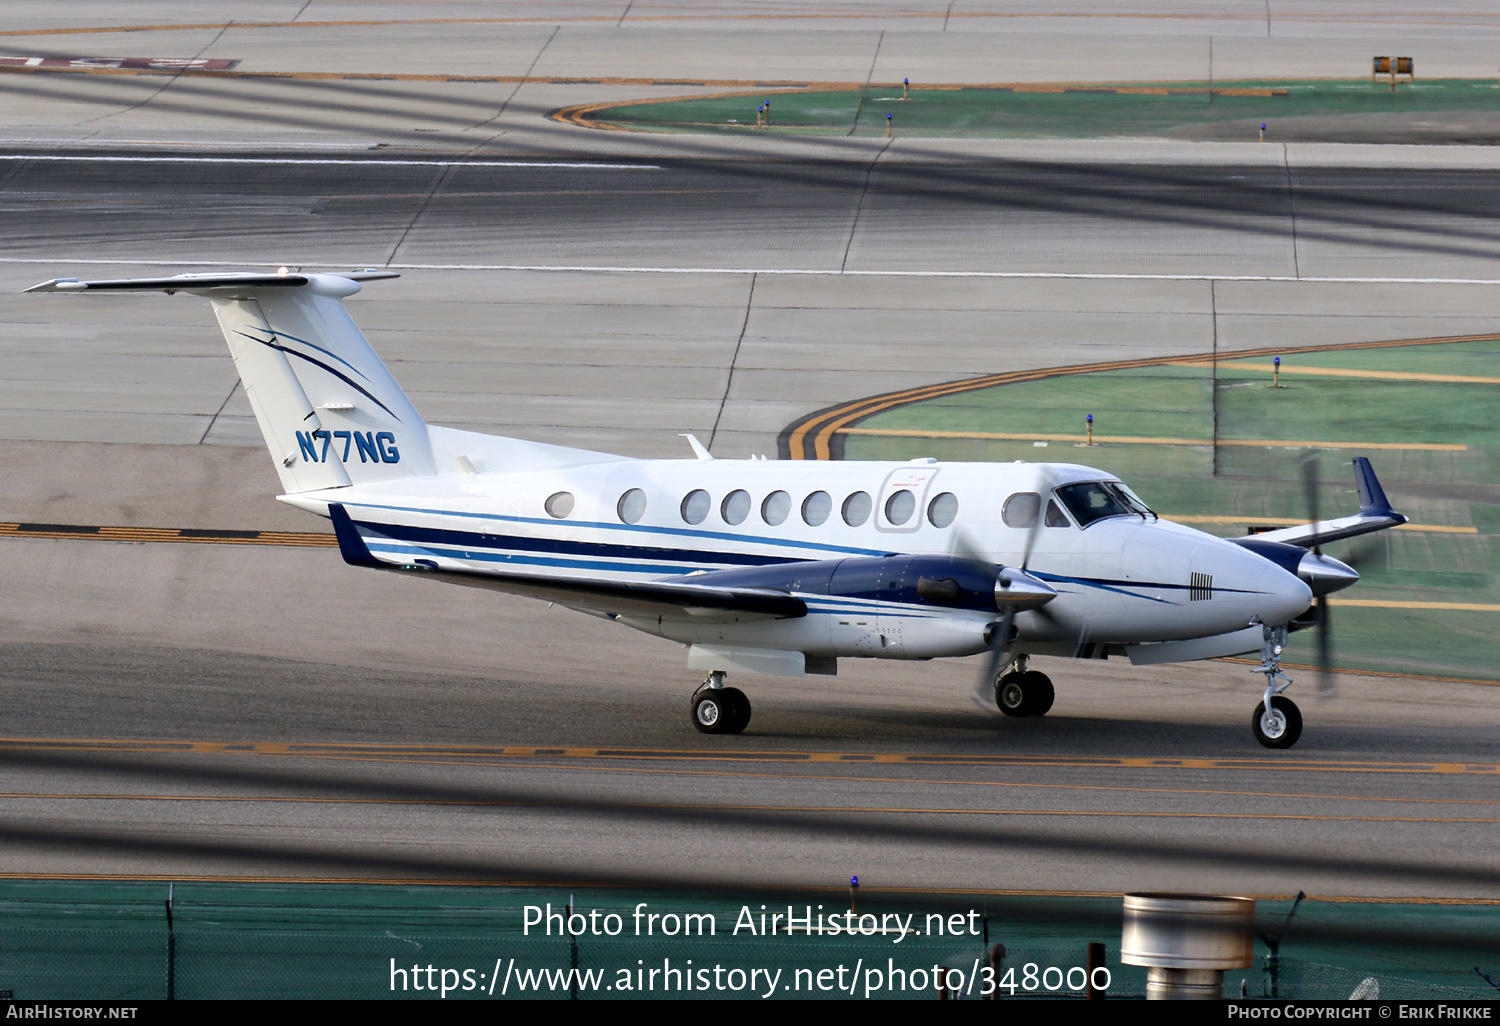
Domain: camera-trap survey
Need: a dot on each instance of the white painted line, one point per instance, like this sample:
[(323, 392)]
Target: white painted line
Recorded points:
[(610, 269), (325, 160), (1079, 275)]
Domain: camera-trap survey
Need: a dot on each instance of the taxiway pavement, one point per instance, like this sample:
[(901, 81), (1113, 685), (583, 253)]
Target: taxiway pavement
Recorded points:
[(125, 411)]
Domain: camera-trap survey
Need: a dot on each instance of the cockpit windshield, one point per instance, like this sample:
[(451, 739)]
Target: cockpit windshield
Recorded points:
[(1094, 500)]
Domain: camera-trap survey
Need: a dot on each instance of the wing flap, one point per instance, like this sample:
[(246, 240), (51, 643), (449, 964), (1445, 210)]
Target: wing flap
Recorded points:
[(670, 600)]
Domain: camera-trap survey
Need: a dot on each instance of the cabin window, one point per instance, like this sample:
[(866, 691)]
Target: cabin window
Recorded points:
[(632, 506), (943, 510), (1055, 516), (1021, 509), (815, 508), (696, 505), (900, 506), (736, 506), (857, 508), (559, 505), (776, 508)]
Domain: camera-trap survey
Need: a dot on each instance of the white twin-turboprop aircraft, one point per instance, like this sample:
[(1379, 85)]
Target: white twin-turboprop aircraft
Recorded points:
[(761, 566)]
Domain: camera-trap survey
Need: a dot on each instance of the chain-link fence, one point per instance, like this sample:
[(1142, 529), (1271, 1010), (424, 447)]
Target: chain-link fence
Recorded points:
[(116, 941)]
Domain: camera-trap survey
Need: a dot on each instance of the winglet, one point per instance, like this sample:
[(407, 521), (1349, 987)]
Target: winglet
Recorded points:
[(1372, 500), (351, 546)]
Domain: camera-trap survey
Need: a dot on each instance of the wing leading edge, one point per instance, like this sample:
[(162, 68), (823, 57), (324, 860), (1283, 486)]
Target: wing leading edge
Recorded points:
[(667, 599), (1375, 514)]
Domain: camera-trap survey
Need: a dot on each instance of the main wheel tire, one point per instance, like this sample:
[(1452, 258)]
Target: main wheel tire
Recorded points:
[(1281, 727), (1039, 693), (1024, 694), (712, 712), (740, 706), (1011, 694)]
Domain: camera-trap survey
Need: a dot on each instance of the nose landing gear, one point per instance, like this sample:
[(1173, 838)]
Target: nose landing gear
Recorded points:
[(1277, 722), (715, 709)]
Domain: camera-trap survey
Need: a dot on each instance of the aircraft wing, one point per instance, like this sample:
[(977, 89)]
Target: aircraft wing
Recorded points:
[(671, 600), (1375, 514)]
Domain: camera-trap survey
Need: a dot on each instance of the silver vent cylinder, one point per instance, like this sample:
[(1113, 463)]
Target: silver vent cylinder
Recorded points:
[(1186, 941)]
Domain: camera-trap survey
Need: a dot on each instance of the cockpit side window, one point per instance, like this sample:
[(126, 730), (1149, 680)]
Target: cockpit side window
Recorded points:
[(1055, 516), (1095, 500)]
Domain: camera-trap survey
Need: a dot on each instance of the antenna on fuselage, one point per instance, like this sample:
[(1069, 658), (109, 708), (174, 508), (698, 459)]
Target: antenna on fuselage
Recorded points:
[(699, 449)]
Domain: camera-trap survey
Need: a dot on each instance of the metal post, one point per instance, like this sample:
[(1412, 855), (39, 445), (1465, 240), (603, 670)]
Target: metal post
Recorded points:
[(572, 948), (997, 959), (171, 949)]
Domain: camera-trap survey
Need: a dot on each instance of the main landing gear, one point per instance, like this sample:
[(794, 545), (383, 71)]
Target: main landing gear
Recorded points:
[(1277, 722), (715, 709), (1023, 692)]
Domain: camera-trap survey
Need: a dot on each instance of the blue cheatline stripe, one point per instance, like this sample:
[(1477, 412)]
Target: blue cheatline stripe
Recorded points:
[(520, 560), (470, 540), (846, 550), (1085, 582), (480, 540)]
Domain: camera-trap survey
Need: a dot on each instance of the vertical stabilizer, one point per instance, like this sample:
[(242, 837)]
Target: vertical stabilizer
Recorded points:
[(329, 410)]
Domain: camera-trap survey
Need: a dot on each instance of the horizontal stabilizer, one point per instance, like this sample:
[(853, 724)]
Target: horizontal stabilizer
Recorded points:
[(673, 600), (200, 282)]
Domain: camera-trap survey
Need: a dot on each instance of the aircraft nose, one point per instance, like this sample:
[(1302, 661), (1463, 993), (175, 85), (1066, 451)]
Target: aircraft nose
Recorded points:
[(1324, 574), (1283, 596)]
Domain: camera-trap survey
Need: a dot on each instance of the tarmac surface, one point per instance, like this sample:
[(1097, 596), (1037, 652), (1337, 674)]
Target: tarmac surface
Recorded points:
[(614, 307)]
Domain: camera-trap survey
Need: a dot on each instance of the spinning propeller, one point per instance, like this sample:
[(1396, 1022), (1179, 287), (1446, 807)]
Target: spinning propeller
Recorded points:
[(1015, 590)]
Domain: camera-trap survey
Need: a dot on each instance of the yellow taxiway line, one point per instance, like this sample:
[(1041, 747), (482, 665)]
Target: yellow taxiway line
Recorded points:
[(903, 810), (1342, 372), (357, 750), (1250, 443), (811, 436)]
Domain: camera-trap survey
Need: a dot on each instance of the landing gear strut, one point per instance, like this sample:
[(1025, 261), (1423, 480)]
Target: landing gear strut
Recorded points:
[(1023, 692), (715, 709), (1277, 722)]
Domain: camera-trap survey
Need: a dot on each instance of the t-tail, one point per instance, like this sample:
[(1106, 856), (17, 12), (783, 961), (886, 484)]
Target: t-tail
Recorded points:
[(329, 410)]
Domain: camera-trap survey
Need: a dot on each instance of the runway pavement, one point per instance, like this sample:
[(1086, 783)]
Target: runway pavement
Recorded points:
[(614, 307)]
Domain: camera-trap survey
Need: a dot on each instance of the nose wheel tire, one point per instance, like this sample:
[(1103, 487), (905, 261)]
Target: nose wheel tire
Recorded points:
[(1281, 726), (720, 710), (1024, 694)]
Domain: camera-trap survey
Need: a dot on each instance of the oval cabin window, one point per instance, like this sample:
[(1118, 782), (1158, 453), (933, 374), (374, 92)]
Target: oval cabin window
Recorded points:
[(559, 505), (900, 506), (736, 506), (815, 509), (857, 508), (632, 506), (696, 505), (942, 511), (1021, 509), (776, 508)]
